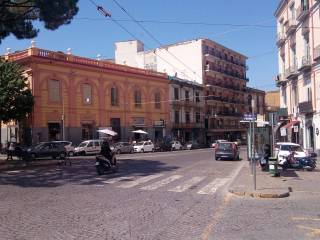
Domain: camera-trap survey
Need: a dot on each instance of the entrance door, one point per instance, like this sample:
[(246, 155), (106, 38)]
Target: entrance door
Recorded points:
[(54, 131), (116, 126), (311, 137)]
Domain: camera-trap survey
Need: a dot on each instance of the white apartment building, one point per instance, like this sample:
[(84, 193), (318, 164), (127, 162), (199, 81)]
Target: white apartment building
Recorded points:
[(298, 41), (220, 70)]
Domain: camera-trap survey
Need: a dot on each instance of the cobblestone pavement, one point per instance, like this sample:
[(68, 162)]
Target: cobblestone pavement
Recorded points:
[(154, 196)]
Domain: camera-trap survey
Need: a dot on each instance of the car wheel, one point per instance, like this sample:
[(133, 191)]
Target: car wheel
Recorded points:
[(62, 156), (71, 154), (118, 151), (142, 150), (152, 150), (131, 151)]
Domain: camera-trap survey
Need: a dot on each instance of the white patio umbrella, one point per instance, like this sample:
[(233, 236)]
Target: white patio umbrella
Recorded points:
[(139, 131), (108, 131)]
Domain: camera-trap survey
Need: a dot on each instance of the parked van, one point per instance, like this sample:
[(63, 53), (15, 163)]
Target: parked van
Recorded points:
[(89, 147)]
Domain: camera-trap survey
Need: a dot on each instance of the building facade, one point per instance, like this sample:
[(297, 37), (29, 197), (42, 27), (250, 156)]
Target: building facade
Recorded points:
[(186, 110), (221, 72), (298, 41), (76, 96)]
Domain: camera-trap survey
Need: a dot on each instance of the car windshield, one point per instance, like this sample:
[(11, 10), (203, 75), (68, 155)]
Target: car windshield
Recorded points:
[(139, 144), (38, 146), (291, 148), (83, 144)]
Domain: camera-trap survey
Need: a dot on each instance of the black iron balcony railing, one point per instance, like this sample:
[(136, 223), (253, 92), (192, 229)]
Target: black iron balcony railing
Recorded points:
[(281, 38), (291, 26), (305, 63), (302, 12)]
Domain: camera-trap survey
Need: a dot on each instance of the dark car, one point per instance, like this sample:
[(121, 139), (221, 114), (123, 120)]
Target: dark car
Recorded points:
[(226, 150), (45, 150), (122, 147), (163, 146)]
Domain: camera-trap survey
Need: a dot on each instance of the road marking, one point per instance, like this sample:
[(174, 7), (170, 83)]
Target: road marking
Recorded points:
[(305, 219), (162, 182), (313, 232), (118, 179), (188, 184), (140, 180), (213, 186)]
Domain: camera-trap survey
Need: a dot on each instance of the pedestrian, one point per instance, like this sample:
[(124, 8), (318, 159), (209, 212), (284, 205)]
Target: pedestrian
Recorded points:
[(10, 151)]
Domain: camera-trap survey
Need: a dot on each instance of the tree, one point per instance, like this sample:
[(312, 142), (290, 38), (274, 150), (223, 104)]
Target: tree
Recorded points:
[(17, 16), (16, 100)]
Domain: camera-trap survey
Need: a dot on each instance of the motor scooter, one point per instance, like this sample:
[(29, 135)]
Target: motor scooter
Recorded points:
[(293, 162), (104, 165)]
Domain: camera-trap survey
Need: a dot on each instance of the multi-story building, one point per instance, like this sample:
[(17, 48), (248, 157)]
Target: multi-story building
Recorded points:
[(298, 41), (75, 96), (220, 70), (186, 110)]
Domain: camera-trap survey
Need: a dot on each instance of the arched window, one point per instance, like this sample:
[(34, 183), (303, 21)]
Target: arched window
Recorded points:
[(157, 100), (114, 96), (87, 93), (137, 99)]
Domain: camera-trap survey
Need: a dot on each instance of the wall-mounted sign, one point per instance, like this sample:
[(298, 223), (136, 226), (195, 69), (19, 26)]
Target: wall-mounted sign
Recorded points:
[(159, 123), (283, 132), (295, 129), (317, 131)]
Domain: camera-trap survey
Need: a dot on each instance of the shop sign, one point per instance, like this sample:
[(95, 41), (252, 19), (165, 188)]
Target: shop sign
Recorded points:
[(283, 132), (295, 129), (138, 121)]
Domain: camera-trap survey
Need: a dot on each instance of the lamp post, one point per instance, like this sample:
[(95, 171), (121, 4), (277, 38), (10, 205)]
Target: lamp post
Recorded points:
[(253, 146), (62, 119)]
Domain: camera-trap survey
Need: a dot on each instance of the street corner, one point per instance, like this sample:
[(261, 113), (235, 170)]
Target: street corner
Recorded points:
[(261, 194)]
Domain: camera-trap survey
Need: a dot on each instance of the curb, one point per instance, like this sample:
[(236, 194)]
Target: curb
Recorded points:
[(23, 166), (259, 194)]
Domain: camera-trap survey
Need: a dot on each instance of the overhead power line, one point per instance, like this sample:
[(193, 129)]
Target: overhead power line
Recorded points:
[(154, 38), (103, 12)]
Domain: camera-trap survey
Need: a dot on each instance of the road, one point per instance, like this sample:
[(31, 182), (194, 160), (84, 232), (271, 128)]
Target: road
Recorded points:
[(173, 195)]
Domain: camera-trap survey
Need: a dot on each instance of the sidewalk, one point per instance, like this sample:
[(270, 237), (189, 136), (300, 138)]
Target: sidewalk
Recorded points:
[(267, 186)]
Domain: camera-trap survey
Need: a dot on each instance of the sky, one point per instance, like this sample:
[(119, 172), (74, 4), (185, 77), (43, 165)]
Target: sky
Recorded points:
[(90, 33)]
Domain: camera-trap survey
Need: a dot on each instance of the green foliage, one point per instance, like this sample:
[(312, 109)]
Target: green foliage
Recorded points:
[(16, 100), (17, 16)]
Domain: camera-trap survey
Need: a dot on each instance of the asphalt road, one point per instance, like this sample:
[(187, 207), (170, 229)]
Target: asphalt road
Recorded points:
[(173, 195)]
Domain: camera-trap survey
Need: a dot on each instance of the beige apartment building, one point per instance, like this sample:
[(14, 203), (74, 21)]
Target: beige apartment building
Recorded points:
[(220, 70), (298, 41)]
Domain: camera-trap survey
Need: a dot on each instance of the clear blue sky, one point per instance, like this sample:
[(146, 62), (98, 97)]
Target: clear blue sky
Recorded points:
[(90, 34)]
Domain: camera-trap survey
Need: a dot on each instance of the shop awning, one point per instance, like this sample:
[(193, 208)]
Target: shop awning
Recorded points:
[(290, 124)]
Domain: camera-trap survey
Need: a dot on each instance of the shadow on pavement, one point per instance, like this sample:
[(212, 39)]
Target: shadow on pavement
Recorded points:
[(289, 173), (81, 172)]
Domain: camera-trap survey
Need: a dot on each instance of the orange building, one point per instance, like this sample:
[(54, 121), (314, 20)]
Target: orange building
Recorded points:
[(75, 96)]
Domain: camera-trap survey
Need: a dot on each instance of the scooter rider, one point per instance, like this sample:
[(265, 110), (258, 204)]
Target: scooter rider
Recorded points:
[(106, 151)]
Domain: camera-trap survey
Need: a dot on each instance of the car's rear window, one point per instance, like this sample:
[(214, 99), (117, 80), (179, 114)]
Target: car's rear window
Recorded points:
[(225, 146), (291, 148)]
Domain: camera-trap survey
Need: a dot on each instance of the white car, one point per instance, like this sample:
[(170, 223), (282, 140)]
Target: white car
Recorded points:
[(89, 147), (145, 146), (283, 149), (176, 145)]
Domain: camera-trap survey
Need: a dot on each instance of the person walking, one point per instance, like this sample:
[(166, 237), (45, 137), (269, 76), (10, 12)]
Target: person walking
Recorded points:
[(10, 151)]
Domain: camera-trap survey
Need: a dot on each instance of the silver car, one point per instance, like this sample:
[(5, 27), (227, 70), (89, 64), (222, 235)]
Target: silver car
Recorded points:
[(122, 147)]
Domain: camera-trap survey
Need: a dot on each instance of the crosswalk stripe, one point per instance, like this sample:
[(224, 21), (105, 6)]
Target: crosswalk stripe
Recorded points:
[(188, 184), (213, 186), (162, 182), (118, 179), (140, 180)]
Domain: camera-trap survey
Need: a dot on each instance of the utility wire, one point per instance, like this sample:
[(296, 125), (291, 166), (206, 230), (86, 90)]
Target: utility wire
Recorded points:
[(153, 37), (101, 9)]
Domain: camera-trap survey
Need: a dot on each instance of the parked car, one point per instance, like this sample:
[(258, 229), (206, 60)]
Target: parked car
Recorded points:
[(176, 145), (162, 147), (283, 149), (226, 150), (217, 141), (194, 145), (45, 150), (145, 146), (68, 146), (122, 147), (89, 147)]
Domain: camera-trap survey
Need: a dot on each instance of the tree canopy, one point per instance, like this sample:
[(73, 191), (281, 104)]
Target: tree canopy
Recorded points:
[(17, 16), (16, 100)]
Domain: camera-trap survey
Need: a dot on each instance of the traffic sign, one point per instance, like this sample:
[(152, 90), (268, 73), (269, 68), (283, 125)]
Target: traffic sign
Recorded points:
[(249, 117)]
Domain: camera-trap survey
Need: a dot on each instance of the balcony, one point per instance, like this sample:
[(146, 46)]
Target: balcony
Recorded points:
[(302, 12), (188, 125), (292, 26), (280, 80), (305, 107), (292, 71), (316, 53), (281, 39), (305, 63)]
